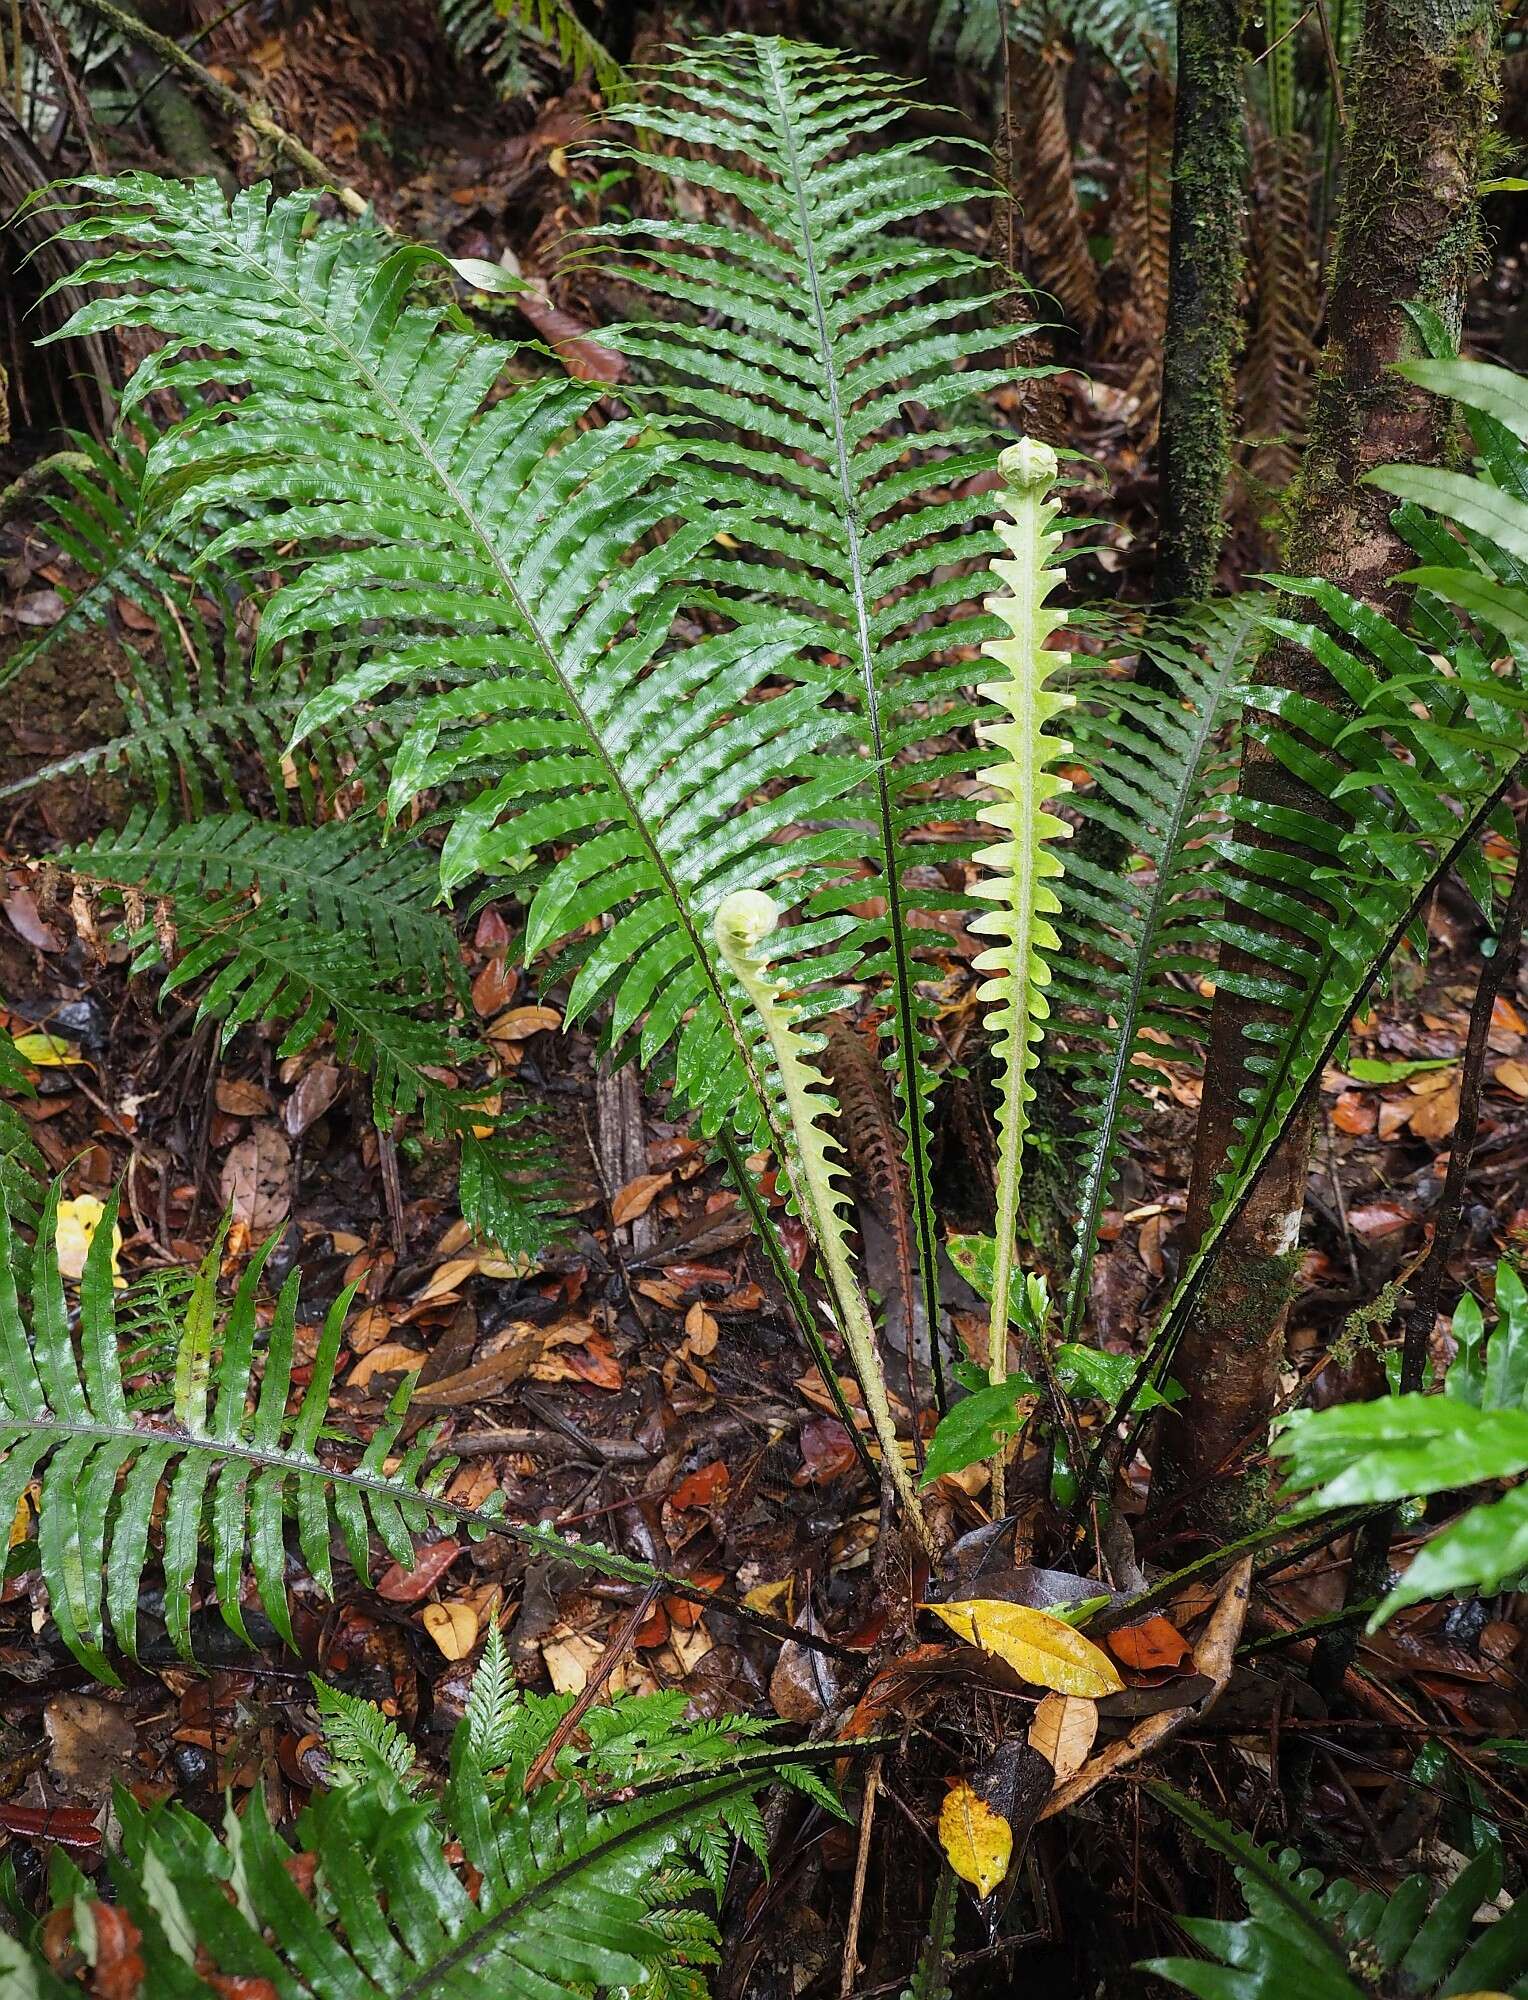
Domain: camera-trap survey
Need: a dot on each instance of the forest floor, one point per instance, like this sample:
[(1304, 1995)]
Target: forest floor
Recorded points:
[(641, 1382)]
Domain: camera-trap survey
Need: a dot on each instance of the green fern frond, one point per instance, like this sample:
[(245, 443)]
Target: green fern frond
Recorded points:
[(930, 1979), (1411, 778), (486, 32), (365, 1746), (1138, 952), (314, 929), (508, 551), (227, 1452), (21, 1164), (1336, 1941), (823, 317), (195, 716), (1023, 868)]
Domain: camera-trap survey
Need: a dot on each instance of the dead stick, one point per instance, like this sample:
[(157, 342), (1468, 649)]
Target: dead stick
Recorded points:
[(229, 102), (861, 1871)]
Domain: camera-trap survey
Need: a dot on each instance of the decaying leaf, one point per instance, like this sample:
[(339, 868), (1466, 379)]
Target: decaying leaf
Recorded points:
[(257, 1179), (1040, 1648), (977, 1842)]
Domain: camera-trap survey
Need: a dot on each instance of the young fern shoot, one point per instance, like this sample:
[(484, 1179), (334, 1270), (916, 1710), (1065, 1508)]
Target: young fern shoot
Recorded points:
[(741, 924), (1023, 864)]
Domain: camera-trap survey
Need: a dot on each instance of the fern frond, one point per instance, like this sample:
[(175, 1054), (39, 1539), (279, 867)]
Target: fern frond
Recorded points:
[(486, 32), (195, 716), (930, 1979), (1138, 950), (1410, 783), (1055, 238), (1023, 867), (365, 1746), (813, 1161), (1279, 369), (507, 552), (227, 1451), (1334, 1941), (315, 929), (1144, 209), (824, 317), (21, 1164)]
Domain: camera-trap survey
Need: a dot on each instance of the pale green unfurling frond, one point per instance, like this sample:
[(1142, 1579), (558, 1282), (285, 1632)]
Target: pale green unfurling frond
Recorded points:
[(1023, 864), (812, 1166)]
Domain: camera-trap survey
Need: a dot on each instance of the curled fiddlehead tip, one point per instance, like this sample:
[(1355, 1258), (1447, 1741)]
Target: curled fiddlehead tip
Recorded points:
[(1027, 464), (744, 919)]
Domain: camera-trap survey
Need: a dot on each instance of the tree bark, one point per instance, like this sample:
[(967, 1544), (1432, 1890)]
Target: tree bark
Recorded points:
[(1423, 90), (1205, 257)]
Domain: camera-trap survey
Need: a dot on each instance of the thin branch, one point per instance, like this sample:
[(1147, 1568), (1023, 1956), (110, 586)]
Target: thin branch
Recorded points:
[(232, 106)]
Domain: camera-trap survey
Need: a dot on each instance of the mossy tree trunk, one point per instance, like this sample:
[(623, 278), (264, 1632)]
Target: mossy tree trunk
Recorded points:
[(1205, 257), (1422, 93)]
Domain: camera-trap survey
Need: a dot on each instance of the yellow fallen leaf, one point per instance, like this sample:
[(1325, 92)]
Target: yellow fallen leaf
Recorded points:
[(977, 1842), (453, 1627), (47, 1051), (1039, 1647), (1062, 1731), (77, 1224), (775, 1598)]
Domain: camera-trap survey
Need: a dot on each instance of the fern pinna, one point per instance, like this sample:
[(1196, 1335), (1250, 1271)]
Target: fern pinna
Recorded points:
[(823, 318), (596, 1875)]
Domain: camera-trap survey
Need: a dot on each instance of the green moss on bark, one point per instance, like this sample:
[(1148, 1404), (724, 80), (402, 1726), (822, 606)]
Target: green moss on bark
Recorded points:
[(1205, 261)]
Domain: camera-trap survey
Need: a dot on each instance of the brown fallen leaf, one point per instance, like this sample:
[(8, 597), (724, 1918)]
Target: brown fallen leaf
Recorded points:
[(256, 1181), (1434, 1116), (241, 1099), (520, 1023), (316, 1090), (701, 1488), (90, 1743), (485, 1379), (1063, 1730), (1355, 1113), (391, 1358), (637, 1196), (407, 1586), (1512, 1075), (1150, 1645)]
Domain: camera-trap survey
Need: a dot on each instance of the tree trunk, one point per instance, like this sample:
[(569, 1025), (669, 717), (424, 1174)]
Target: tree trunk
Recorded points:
[(1205, 256), (1422, 90)]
